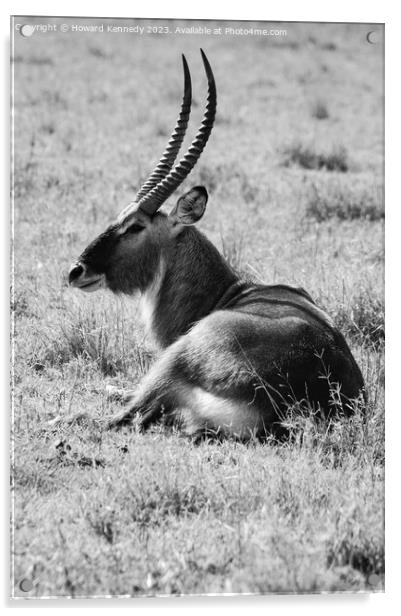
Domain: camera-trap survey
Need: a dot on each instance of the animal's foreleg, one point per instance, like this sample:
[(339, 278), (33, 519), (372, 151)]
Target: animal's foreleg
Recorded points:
[(156, 394)]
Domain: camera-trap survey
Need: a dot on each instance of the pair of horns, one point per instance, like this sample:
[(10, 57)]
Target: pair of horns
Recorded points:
[(164, 180)]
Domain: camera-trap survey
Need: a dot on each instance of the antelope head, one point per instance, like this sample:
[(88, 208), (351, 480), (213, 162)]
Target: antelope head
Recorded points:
[(125, 257)]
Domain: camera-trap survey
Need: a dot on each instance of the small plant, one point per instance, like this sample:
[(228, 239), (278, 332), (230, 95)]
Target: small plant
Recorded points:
[(320, 111), (20, 305), (249, 191), (361, 552), (102, 523), (345, 200), (363, 319), (97, 52), (83, 333), (308, 158), (38, 60), (330, 46), (48, 128), (25, 176), (233, 251), (338, 439)]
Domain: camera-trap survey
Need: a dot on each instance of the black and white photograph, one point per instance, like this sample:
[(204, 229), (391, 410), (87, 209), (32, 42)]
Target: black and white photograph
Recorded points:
[(197, 307)]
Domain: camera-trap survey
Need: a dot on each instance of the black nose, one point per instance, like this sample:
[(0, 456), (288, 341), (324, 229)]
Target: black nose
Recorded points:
[(75, 272)]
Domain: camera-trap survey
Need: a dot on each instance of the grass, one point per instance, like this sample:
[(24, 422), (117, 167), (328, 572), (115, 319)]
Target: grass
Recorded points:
[(86, 335), (363, 319), (232, 249), (356, 198), (307, 157), (105, 513), (216, 518)]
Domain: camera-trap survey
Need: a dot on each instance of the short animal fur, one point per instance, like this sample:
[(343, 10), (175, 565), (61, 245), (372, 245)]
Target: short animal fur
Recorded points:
[(234, 355)]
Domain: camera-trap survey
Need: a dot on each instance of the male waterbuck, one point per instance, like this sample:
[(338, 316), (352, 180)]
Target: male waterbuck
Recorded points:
[(234, 355)]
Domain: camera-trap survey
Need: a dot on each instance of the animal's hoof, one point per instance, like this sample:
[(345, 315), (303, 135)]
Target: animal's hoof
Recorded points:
[(117, 422)]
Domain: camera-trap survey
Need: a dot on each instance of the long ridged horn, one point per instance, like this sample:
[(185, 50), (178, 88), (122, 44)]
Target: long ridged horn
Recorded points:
[(151, 202), (177, 137)]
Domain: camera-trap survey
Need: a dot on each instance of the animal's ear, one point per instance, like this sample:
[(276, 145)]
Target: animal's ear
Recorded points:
[(190, 207)]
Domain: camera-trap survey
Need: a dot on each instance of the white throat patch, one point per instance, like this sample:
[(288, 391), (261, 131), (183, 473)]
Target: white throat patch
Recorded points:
[(149, 297)]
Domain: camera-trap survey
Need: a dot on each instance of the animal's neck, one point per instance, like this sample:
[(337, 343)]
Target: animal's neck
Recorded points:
[(191, 279)]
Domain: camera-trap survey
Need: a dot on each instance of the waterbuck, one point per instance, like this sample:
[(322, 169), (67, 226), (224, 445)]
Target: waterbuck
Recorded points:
[(234, 355)]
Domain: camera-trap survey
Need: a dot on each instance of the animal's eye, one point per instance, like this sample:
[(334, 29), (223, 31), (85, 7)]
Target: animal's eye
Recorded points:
[(135, 228)]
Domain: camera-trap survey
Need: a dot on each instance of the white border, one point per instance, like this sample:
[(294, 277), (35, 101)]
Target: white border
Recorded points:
[(284, 10)]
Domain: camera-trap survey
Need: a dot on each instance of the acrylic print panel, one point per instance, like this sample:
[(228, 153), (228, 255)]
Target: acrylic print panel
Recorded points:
[(241, 467)]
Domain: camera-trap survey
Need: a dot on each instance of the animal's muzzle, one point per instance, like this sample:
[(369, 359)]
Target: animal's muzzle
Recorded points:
[(75, 272), (83, 278)]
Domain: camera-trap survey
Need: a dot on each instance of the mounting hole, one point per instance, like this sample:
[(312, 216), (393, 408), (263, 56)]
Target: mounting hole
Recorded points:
[(373, 37), (373, 579), (27, 30), (25, 585)]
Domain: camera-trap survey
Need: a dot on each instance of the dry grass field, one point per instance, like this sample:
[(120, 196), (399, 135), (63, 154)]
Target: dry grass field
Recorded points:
[(294, 173)]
